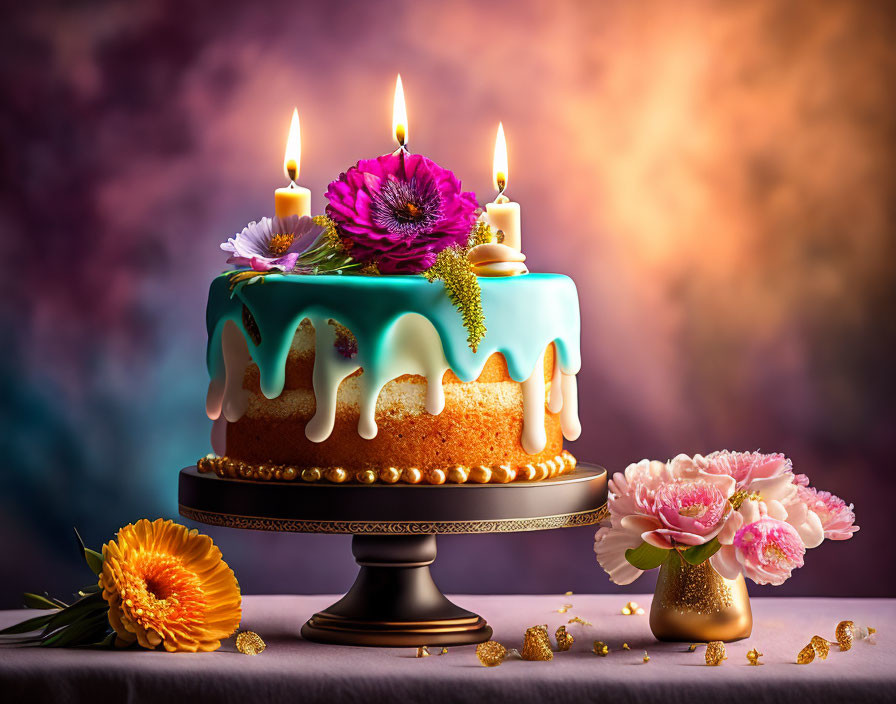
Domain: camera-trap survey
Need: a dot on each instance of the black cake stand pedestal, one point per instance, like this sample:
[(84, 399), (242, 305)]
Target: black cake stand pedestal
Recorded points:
[(394, 601)]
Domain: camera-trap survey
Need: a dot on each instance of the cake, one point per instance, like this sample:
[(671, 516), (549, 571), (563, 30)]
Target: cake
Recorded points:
[(375, 345)]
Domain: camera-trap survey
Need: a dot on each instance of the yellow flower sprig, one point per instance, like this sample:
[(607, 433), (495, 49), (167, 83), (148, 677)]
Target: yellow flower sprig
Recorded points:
[(452, 268)]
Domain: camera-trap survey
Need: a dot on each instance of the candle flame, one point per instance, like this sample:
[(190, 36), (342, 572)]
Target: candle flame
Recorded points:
[(499, 165), (399, 115), (292, 158)]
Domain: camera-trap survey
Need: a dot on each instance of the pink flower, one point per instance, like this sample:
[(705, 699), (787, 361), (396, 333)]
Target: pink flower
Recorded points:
[(630, 495), (760, 543), (746, 468), (661, 504), (610, 544), (272, 243), (690, 512), (836, 517)]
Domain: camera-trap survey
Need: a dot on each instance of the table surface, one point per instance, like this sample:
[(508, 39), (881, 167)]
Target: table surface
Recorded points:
[(293, 670)]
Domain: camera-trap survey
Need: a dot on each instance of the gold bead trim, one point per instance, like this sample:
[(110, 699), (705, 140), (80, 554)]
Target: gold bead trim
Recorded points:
[(501, 474)]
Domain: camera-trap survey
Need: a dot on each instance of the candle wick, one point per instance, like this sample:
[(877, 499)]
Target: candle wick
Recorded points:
[(403, 149)]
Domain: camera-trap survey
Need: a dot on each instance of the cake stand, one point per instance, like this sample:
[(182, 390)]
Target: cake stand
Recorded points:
[(394, 601)]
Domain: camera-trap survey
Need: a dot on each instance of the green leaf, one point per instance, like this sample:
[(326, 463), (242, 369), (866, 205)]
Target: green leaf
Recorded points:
[(36, 601), (93, 558), (82, 632), (87, 605), (701, 553), (646, 556), (32, 624)]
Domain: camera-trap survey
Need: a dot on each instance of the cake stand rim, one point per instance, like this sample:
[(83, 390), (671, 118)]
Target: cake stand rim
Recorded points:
[(587, 485)]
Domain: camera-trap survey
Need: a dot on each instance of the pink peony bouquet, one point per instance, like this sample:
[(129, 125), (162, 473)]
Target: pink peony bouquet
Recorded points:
[(745, 512)]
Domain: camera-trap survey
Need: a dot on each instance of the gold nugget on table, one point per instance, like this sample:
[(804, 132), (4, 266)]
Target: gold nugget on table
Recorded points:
[(806, 655), (564, 638), (625, 646), (715, 653), (423, 652), (250, 643), (646, 657), (443, 651), (537, 644), (601, 648), (491, 653), (844, 634), (753, 656), (820, 646), (848, 633), (692, 647), (632, 609)]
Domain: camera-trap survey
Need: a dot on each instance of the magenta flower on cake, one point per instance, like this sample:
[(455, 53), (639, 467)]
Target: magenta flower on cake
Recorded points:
[(272, 243), (399, 211)]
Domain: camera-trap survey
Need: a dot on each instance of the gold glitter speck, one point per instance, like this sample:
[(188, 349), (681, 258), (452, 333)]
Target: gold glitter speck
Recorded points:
[(692, 647), (601, 648), (423, 652), (753, 657), (646, 657), (579, 620), (250, 643), (625, 646)]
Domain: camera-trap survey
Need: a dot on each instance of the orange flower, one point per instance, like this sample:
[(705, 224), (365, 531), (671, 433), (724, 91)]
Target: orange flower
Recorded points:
[(168, 585)]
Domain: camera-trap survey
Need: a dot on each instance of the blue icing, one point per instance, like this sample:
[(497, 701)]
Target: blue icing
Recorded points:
[(523, 315)]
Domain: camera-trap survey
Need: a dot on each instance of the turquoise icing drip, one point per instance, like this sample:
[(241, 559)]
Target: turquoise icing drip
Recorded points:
[(523, 315)]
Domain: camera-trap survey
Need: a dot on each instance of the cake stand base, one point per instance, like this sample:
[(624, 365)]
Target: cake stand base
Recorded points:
[(394, 601)]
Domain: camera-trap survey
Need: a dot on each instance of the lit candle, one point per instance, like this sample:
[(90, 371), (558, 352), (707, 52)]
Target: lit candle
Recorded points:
[(399, 117), (292, 200), (503, 214)]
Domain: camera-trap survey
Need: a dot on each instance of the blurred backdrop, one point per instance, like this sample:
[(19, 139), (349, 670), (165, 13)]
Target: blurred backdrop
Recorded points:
[(717, 177)]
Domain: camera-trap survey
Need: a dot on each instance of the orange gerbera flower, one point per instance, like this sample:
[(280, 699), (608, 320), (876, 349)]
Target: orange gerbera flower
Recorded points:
[(168, 585)]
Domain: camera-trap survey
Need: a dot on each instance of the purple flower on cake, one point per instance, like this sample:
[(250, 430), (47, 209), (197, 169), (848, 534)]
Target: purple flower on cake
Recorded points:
[(272, 243), (399, 211)]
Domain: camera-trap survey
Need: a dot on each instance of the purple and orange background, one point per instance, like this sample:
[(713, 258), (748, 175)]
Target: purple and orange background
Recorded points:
[(718, 178)]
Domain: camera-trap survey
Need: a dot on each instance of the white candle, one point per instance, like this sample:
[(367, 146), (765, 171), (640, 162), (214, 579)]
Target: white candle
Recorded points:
[(503, 214), (293, 199)]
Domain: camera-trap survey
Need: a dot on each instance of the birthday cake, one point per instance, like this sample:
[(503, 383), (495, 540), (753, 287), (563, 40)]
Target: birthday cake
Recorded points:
[(397, 338)]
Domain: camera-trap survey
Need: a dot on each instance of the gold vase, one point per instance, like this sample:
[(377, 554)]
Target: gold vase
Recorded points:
[(694, 603)]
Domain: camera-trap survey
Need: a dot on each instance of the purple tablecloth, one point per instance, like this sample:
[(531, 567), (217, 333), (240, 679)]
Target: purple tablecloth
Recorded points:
[(292, 670)]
